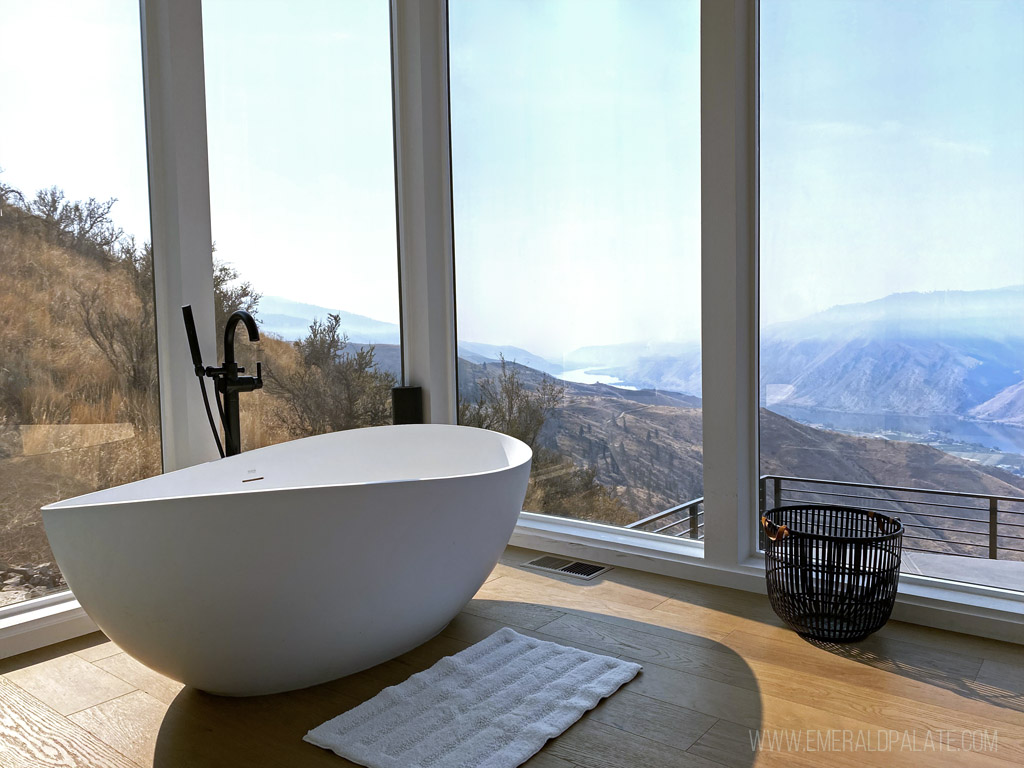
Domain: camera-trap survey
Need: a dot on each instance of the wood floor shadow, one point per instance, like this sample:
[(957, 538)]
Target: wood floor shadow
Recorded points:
[(872, 652), (693, 698), (82, 644)]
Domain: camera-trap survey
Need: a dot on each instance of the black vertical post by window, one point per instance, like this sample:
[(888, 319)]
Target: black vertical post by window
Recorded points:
[(407, 405), (993, 529)]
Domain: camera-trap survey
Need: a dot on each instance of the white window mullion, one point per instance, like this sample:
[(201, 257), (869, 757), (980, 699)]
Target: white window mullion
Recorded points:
[(180, 211), (729, 267), (419, 45)]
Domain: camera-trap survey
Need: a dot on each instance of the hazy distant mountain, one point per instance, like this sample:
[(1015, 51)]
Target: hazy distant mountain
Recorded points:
[(676, 368), (996, 314), (291, 319), (477, 352), (1007, 406), (615, 355), (942, 353), (947, 352)]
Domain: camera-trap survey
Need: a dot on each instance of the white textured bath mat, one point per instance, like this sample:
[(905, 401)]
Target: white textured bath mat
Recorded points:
[(492, 705)]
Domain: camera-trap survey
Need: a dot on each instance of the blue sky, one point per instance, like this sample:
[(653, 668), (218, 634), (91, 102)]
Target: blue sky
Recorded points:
[(892, 139), (892, 149)]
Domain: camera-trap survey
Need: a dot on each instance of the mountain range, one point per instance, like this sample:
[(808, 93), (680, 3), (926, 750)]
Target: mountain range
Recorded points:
[(647, 447), (958, 353), (290, 320), (943, 353)]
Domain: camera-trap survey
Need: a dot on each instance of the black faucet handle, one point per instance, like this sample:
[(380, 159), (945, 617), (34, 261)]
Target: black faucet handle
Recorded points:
[(259, 375)]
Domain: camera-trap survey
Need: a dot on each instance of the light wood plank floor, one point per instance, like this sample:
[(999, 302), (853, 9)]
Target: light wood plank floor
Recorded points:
[(718, 667)]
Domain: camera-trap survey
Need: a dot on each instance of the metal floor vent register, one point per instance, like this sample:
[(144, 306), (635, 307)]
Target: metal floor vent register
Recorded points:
[(574, 568)]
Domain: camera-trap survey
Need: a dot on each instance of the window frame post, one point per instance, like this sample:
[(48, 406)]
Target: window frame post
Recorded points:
[(729, 305), (179, 192), (423, 190)]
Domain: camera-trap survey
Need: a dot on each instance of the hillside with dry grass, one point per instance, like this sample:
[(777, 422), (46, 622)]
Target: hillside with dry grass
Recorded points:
[(79, 407), (78, 393), (639, 452)]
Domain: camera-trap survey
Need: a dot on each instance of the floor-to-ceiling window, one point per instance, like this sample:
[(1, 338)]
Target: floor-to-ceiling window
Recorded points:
[(892, 271), (576, 183), (78, 364), (303, 207)]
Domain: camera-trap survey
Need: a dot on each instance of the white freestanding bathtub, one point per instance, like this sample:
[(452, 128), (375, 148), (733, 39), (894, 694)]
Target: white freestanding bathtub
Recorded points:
[(297, 563)]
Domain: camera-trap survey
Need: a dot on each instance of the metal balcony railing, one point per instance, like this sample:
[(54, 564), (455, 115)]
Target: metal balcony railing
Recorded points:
[(937, 522), (685, 520)]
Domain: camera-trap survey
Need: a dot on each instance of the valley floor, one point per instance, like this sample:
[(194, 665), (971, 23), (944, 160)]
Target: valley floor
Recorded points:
[(719, 670)]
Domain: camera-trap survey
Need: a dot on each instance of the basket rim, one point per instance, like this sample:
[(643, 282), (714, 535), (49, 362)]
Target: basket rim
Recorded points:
[(835, 537)]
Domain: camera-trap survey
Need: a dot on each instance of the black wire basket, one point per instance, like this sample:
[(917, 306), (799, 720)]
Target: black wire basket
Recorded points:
[(832, 571)]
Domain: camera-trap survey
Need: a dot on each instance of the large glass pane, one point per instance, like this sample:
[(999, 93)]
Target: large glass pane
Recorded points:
[(892, 271), (303, 207), (78, 364), (576, 173)]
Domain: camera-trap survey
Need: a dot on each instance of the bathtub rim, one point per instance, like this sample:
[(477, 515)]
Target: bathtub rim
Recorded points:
[(526, 450)]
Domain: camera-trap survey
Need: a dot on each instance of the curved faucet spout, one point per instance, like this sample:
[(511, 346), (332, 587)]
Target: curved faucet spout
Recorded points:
[(239, 315)]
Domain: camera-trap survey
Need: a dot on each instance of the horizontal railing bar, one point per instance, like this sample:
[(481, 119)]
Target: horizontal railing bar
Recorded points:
[(931, 491), (673, 525), (981, 521), (943, 541), (891, 501), (670, 525), (933, 552), (783, 497), (915, 513), (895, 511), (681, 535), (904, 511), (950, 530), (684, 507), (946, 517), (984, 520)]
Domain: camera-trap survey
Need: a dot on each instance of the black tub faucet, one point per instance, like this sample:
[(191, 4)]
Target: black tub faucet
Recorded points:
[(227, 382)]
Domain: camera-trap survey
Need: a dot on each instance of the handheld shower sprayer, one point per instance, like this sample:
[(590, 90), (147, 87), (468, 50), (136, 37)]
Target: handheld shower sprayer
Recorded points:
[(201, 372), (227, 383)]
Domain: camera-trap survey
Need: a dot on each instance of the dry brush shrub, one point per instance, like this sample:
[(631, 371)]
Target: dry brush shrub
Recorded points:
[(506, 403), (326, 384), (264, 413), (559, 487), (73, 319), (51, 364)]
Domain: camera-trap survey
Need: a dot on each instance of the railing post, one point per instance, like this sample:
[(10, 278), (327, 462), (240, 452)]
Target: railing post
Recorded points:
[(693, 521), (778, 493), (993, 529)]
